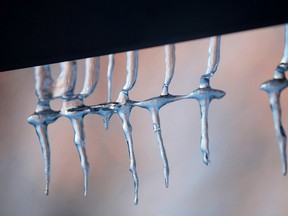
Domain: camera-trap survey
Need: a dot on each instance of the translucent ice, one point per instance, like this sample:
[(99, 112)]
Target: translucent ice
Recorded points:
[(205, 94), (274, 88)]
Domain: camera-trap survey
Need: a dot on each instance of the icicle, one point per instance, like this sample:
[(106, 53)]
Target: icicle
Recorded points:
[(80, 143), (92, 71), (75, 110), (131, 76), (124, 113), (69, 79), (284, 60), (71, 109), (274, 88), (43, 115), (155, 104), (204, 94), (110, 73), (157, 130), (65, 84), (170, 59), (40, 122)]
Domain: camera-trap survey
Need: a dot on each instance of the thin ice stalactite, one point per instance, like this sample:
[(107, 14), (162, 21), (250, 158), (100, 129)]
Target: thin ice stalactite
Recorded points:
[(124, 114), (40, 121), (75, 110), (153, 105), (63, 87), (122, 107), (274, 88), (41, 131), (76, 119), (44, 115), (124, 110), (205, 94), (110, 73), (157, 130), (170, 59), (92, 72)]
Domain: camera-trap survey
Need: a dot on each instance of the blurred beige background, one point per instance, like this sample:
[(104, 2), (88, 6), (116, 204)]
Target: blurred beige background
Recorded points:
[(244, 177)]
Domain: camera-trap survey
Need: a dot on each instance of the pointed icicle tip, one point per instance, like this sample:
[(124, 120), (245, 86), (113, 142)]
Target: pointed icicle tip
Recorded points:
[(166, 182), (47, 192), (106, 118), (206, 158), (166, 174)]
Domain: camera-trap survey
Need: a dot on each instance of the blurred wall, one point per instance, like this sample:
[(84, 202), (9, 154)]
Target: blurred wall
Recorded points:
[(244, 177)]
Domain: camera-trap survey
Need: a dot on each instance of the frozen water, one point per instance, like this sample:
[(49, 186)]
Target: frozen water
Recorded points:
[(205, 94), (110, 73), (274, 88), (73, 106)]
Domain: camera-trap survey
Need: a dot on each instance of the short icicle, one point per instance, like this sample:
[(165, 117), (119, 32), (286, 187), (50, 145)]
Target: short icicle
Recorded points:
[(43, 115), (153, 105), (69, 105)]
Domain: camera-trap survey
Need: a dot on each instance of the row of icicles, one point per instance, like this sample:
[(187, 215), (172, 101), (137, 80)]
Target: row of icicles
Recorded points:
[(74, 108)]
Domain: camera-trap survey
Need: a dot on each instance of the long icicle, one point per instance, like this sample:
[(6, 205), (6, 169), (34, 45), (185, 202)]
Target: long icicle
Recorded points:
[(156, 103), (170, 59), (80, 142), (92, 70), (124, 114), (274, 88), (41, 131), (71, 101), (204, 94), (110, 73), (157, 130)]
